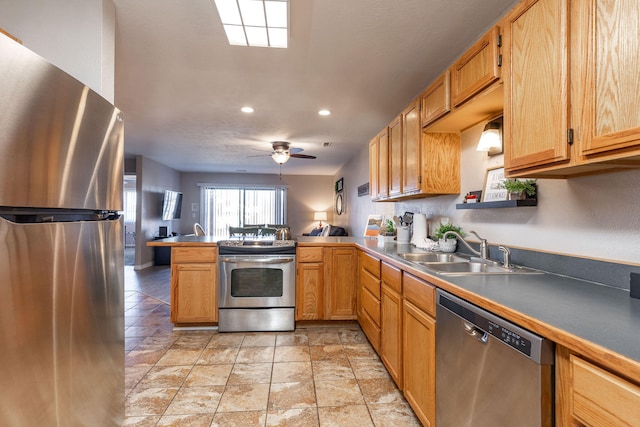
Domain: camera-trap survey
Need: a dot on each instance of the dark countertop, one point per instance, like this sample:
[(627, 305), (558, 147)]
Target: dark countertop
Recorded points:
[(557, 307)]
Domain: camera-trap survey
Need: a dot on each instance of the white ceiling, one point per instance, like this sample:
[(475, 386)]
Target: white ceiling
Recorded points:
[(181, 86)]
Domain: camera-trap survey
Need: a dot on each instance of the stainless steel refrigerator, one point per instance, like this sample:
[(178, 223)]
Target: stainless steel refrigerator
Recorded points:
[(61, 250)]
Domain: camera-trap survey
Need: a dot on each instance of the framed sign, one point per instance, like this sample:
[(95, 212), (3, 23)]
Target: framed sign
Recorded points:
[(493, 190), (340, 185)]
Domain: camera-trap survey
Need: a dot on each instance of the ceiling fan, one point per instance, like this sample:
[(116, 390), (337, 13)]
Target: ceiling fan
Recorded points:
[(282, 151)]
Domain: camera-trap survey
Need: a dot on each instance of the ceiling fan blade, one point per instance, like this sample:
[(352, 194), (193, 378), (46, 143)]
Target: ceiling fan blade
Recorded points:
[(295, 150), (302, 156)]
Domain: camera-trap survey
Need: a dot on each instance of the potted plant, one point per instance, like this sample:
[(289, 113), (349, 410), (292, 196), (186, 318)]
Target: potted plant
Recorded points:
[(387, 231), (448, 245), (517, 189)]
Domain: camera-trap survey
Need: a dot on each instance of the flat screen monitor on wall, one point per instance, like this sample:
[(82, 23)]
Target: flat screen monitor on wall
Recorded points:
[(171, 205)]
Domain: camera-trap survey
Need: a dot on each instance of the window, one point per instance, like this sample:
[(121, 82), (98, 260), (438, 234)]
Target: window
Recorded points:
[(224, 206)]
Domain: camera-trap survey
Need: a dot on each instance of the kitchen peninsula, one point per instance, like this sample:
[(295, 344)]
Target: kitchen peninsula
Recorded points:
[(593, 325)]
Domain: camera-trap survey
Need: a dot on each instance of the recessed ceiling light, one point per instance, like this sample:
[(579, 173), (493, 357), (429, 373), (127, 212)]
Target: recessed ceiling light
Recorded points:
[(324, 112), (246, 110)]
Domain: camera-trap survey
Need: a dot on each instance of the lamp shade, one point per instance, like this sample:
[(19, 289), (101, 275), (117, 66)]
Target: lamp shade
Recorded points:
[(319, 216), (491, 138), (280, 157)]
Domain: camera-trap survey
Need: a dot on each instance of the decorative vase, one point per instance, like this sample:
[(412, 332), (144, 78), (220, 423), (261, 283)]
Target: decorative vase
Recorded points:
[(448, 245)]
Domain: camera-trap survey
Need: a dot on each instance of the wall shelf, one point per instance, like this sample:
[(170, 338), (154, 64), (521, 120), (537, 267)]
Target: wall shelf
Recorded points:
[(499, 204)]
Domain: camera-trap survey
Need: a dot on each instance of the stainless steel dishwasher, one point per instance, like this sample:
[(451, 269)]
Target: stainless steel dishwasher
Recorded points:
[(489, 372)]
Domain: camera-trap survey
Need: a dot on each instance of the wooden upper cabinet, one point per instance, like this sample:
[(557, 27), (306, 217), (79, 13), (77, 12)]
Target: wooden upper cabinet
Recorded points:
[(411, 130), (536, 111), (436, 99), (395, 157), (477, 68), (379, 166), (605, 61)]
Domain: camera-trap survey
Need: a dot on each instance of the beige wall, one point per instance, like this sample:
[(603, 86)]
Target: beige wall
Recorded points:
[(305, 194), (77, 36)]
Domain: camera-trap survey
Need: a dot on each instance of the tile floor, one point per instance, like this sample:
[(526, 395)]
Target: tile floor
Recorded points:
[(315, 376)]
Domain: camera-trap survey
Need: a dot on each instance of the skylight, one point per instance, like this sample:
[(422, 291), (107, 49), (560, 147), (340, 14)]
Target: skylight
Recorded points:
[(254, 22)]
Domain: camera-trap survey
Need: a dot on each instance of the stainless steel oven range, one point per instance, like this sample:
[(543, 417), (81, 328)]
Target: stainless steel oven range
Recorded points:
[(257, 285)]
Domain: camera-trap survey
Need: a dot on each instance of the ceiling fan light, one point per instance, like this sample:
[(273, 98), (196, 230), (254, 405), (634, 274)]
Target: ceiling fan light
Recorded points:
[(280, 157)]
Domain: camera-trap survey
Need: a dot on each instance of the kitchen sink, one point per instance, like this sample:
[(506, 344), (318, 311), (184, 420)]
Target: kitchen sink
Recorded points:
[(432, 257), (471, 268)]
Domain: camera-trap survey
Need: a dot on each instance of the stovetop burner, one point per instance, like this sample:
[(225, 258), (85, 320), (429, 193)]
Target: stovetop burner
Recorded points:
[(259, 247)]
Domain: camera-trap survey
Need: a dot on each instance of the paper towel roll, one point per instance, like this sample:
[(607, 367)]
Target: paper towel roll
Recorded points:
[(419, 228)]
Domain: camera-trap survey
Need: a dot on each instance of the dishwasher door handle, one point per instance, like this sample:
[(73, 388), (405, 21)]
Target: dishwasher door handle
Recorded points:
[(476, 333)]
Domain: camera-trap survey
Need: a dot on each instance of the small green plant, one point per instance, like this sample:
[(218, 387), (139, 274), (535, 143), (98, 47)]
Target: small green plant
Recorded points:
[(443, 228), (387, 228), (527, 186)]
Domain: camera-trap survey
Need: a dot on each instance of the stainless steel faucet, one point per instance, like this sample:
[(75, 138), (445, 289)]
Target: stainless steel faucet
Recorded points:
[(507, 256), (484, 245)]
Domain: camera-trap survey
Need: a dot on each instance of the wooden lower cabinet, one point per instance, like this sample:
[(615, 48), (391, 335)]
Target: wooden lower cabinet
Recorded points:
[(588, 395), (419, 348), (342, 273), (369, 298), (326, 283), (391, 322), (194, 285)]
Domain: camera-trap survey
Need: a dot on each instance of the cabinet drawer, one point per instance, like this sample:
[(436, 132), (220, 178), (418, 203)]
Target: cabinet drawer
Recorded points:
[(420, 293), (601, 398), (371, 264), (392, 277), (371, 306), (371, 330), (193, 254), (313, 254), (369, 282)]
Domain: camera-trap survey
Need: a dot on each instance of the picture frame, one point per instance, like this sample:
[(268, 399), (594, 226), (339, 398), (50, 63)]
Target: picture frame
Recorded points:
[(372, 228), (492, 191), (340, 185)]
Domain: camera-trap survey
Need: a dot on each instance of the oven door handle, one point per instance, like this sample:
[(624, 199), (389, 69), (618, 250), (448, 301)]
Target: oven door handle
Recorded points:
[(258, 260)]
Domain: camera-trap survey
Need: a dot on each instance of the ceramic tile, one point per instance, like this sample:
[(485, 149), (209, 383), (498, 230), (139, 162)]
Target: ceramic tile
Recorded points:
[(380, 390), (292, 339), (338, 393), (196, 400), (368, 368), (226, 340), (291, 371), (202, 375), (255, 354), (148, 421), (192, 342), (140, 331), (179, 357), (156, 342), (297, 417), (327, 352), (216, 356), (264, 339), (132, 342), (292, 395), (191, 420), (239, 419), (352, 337), (393, 415), (143, 357), (164, 376), (336, 369), (148, 401), (340, 416), (250, 373), (244, 397), (133, 374), (292, 354), (360, 351), (323, 338)]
